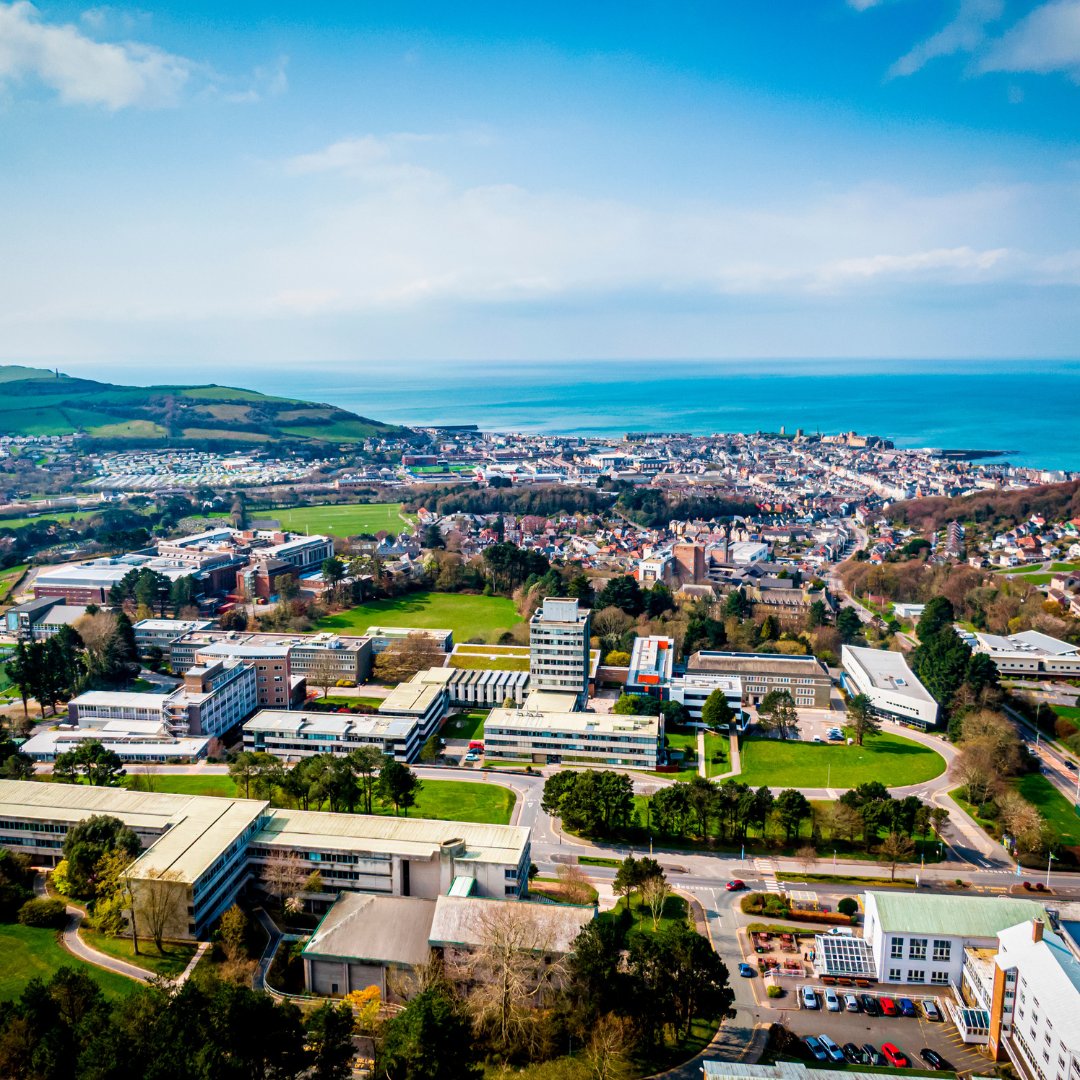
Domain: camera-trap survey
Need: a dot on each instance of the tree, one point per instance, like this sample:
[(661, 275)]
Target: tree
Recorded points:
[(283, 876), (328, 1042), (655, 891), (609, 624), (848, 624), (365, 762), (233, 934), (658, 600), (976, 768), (941, 664), (580, 588), (431, 749), (324, 671), (895, 849), (624, 593), (938, 614), (816, 615), (617, 658), (397, 785), (333, 573), (401, 660), (87, 842), (155, 897), (847, 905), (636, 705), (249, 766), (793, 809), (861, 718), (99, 765), (574, 884), (716, 712), (674, 713), (777, 713), (431, 1039), (807, 856)]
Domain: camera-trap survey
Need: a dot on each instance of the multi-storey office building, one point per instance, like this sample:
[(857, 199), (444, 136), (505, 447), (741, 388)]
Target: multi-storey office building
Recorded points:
[(426, 703), (549, 738), (296, 734), (894, 691), (559, 648), (163, 632), (201, 851), (804, 677)]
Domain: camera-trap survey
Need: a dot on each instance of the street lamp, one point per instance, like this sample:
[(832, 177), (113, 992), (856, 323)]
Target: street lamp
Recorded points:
[(1049, 860), (1038, 730)]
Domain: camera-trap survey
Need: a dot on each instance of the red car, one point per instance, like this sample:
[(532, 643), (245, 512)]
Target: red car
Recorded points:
[(888, 1006), (735, 885), (895, 1056)]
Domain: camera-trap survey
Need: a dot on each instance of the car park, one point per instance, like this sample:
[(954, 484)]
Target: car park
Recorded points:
[(934, 1059), (832, 999), (746, 971), (851, 1003), (906, 1007), (895, 1056), (809, 998), (873, 1055), (735, 885), (816, 1048), (870, 1005), (929, 1006), (888, 1006), (834, 1051), (856, 1055)]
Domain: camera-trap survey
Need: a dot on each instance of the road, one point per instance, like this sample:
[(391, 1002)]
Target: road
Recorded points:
[(1055, 764)]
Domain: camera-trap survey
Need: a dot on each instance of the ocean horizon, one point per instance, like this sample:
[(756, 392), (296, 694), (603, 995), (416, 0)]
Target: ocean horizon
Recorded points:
[(1028, 408)]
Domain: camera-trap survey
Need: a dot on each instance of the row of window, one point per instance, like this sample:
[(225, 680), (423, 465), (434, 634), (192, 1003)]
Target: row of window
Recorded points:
[(917, 975), (917, 949)]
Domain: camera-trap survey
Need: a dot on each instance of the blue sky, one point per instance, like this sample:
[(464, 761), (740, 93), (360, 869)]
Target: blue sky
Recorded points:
[(356, 184)]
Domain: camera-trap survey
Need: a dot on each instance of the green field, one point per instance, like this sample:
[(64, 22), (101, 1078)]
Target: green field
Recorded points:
[(9, 578), (28, 952), (467, 616), (60, 516), (892, 759), (1064, 567), (347, 519), (1026, 568), (465, 725), (1054, 807), (448, 800), (687, 743)]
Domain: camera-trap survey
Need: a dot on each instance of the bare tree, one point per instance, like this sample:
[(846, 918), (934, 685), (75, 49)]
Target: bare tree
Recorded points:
[(976, 767), (283, 876), (574, 884), (1021, 821), (609, 624), (655, 891), (609, 1047), (508, 972), (895, 849), (807, 856), (156, 896), (324, 672), (401, 660)]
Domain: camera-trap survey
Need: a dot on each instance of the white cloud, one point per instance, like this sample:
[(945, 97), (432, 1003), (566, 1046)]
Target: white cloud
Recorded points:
[(864, 5), (1046, 40), (370, 158), (964, 34), (83, 71)]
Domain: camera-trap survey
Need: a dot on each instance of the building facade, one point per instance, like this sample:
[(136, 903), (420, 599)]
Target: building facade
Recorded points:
[(805, 678), (550, 738), (296, 734), (559, 648), (894, 691)]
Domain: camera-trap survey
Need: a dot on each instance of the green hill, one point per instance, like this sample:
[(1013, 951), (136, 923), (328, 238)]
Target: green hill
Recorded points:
[(35, 401)]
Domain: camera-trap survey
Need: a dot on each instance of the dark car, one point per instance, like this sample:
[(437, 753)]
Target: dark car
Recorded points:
[(816, 1048), (855, 1054), (906, 1006), (873, 1055), (934, 1059), (870, 1005)]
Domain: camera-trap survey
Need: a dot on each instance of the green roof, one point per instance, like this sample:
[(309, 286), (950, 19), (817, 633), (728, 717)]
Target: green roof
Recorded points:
[(953, 916)]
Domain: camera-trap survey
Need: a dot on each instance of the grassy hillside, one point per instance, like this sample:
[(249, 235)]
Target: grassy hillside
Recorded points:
[(40, 402)]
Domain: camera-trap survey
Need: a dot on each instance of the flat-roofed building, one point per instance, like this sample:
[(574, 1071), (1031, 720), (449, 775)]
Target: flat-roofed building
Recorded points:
[(39, 619), (133, 741), (692, 691), (1030, 653), (483, 688), (163, 632), (425, 702), (652, 664), (296, 734), (559, 648), (804, 677), (269, 663), (200, 851), (894, 691), (549, 738)]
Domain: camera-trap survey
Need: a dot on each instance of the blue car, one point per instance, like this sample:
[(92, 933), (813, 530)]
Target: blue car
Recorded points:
[(746, 971), (816, 1048), (906, 1006)]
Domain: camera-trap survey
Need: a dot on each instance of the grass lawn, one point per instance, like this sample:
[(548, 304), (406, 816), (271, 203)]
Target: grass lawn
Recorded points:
[(1064, 567), (714, 745), (176, 958), (10, 577), (552, 888), (464, 800), (686, 742), (1025, 568), (675, 911), (60, 516), (1067, 712), (1054, 807), (347, 519), (466, 615), (28, 952), (520, 651), (221, 786), (892, 759), (598, 860), (465, 725)]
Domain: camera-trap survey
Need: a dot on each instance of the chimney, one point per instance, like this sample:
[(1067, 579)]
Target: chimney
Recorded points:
[(1036, 929)]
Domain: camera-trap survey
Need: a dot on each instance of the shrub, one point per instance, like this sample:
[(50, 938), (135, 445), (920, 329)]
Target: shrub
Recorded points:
[(774, 991), (1064, 728), (43, 912), (61, 881), (848, 905)]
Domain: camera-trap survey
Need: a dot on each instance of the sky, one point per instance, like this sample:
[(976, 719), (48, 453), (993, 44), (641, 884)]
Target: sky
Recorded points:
[(371, 184)]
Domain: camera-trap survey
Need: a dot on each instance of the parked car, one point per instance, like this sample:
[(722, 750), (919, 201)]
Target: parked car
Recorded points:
[(1070, 765), (834, 1051), (851, 1003), (873, 1055), (832, 999), (855, 1054), (888, 1006), (818, 738), (746, 971), (934, 1059), (816, 1048), (870, 1005), (907, 1007), (895, 1056), (735, 885), (929, 1006), (809, 998)]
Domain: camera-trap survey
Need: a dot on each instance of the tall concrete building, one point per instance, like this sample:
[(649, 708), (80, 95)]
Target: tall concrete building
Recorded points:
[(559, 648)]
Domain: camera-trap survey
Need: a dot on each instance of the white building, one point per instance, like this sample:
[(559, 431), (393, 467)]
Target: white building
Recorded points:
[(692, 691), (919, 939), (745, 552), (425, 702), (559, 648), (549, 738), (894, 691), (1030, 653), (133, 741), (295, 734)]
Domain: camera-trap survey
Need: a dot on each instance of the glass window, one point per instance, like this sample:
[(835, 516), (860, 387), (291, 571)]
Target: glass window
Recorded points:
[(939, 978), (916, 975), (917, 948), (897, 948), (942, 949), (894, 974)]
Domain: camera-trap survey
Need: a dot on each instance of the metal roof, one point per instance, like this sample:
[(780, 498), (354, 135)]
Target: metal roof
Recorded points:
[(950, 916)]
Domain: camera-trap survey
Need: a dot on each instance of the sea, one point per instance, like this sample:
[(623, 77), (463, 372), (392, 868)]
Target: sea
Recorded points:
[(1031, 409)]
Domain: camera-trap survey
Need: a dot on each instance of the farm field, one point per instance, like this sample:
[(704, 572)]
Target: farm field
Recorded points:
[(892, 759), (347, 519), (29, 952), (467, 616)]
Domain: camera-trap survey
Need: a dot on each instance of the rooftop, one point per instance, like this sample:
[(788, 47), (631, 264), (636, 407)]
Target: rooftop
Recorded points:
[(410, 697), (1048, 964), (955, 916), (710, 660), (340, 724), (1029, 642), (463, 920), (573, 722), (382, 929), (888, 671)]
